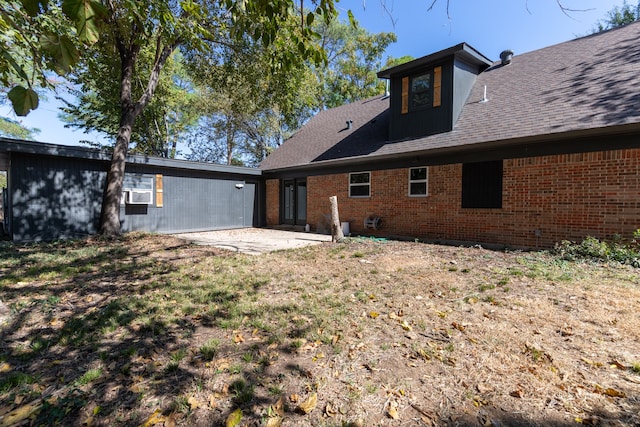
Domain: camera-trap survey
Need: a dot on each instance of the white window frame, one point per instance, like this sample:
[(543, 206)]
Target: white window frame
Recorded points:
[(351, 185), (419, 181), (125, 199)]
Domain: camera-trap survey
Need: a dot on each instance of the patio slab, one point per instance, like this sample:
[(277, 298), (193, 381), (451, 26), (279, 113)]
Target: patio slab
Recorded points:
[(254, 241)]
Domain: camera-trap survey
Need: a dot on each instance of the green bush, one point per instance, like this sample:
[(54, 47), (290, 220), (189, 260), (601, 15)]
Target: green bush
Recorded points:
[(599, 250)]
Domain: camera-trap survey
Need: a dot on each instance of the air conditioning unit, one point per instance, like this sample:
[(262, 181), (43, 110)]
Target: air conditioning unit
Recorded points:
[(139, 197)]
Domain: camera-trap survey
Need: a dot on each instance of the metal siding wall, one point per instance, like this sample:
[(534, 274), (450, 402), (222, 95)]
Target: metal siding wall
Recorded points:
[(193, 203), (250, 203), (55, 197), (59, 197), (464, 77), (426, 121)]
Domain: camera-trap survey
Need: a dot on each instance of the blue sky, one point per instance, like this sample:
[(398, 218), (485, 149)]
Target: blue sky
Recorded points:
[(490, 26)]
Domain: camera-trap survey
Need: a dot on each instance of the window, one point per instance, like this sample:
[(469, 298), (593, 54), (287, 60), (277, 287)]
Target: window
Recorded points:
[(418, 182), (360, 184), (137, 190), (422, 90), (482, 185)]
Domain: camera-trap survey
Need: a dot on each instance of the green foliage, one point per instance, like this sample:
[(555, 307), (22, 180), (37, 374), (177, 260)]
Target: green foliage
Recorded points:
[(246, 112), (170, 115), (599, 250), (618, 17), (353, 57), (249, 112), (13, 129), (23, 100), (90, 376), (15, 379), (210, 349), (38, 36)]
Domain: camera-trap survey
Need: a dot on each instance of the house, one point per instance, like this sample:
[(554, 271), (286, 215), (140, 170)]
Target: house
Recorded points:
[(55, 192), (526, 151)]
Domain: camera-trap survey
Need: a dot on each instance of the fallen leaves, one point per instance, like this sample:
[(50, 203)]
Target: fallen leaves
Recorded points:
[(392, 410), (311, 347), (308, 405), (234, 418), (611, 392), (20, 414), (155, 418), (275, 414), (517, 393)]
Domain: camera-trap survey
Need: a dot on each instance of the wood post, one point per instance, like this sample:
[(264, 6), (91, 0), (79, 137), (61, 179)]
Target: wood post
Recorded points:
[(336, 230)]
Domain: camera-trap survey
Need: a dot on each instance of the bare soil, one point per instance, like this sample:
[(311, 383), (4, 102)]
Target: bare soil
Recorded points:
[(360, 333)]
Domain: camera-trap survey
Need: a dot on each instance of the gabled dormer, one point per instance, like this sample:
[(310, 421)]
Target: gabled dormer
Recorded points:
[(427, 94)]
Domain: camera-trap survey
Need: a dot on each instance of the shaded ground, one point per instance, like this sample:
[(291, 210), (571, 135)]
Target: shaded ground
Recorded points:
[(151, 330)]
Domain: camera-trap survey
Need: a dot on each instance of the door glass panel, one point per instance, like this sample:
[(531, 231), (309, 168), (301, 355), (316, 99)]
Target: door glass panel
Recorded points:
[(301, 202), (288, 201)]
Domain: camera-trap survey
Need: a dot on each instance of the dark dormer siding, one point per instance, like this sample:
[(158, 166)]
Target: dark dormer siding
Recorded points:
[(455, 71), (429, 119), (464, 77)]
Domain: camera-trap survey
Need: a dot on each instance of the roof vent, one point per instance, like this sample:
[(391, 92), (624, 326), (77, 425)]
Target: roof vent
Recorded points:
[(349, 123), (506, 56)]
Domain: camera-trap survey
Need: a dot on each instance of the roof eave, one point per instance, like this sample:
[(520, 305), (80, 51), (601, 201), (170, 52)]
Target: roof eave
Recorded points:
[(9, 145), (462, 50), (629, 129)]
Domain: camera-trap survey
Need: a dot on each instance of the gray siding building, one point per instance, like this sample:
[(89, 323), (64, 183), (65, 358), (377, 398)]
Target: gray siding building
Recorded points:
[(55, 192)]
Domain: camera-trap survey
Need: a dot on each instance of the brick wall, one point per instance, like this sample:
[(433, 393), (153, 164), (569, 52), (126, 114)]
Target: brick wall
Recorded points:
[(545, 200)]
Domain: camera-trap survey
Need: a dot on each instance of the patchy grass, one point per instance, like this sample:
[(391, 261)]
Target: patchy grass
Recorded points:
[(149, 330)]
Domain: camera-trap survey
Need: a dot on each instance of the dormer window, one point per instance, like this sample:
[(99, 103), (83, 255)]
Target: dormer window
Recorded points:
[(422, 90)]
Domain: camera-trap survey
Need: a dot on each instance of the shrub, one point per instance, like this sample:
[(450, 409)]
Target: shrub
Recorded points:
[(599, 250)]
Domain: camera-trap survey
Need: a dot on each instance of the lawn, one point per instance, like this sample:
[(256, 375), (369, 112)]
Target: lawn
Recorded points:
[(150, 330)]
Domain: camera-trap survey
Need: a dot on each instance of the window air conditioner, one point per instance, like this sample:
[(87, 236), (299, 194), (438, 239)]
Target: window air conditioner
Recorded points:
[(139, 197)]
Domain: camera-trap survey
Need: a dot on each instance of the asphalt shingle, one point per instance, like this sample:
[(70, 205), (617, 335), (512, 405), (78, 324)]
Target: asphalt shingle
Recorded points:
[(585, 85)]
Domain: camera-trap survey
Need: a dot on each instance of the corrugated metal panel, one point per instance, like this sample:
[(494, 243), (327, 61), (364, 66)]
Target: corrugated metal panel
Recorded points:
[(250, 203), (55, 197), (193, 203)]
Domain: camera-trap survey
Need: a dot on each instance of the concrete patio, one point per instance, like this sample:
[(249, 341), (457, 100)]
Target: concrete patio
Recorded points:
[(254, 241)]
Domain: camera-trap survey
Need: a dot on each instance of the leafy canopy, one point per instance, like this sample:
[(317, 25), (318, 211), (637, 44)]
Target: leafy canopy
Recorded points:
[(38, 36)]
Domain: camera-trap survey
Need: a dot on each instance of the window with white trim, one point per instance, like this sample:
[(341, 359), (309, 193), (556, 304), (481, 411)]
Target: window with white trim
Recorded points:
[(418, 182), (137, 190), (360, 184)]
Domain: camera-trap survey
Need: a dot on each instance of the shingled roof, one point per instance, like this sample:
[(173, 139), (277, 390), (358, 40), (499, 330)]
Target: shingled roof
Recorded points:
[(584, 87)]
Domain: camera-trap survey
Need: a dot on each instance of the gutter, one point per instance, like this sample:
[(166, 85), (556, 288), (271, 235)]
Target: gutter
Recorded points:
[(8, 145), (580, 141)]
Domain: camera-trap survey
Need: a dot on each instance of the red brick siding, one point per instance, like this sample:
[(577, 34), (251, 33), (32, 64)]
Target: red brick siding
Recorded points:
[(273, 202), (562, 197)]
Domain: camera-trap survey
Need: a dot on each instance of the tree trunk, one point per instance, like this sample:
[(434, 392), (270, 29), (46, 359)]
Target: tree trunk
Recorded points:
[(336, 230), (110, 214)]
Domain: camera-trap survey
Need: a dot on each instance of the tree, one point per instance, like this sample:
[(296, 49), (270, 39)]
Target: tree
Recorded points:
[(167, 25), (125, 27), (618, 17), (253, 111), (13, 129), (172, 112), (250, 102), (39, 36), (353, 56)]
